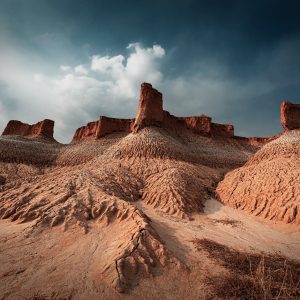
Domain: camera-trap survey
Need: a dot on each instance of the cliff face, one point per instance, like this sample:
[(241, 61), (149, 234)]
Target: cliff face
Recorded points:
[(110, 125), (150, 109), (199, 124), (43, 128), (86, 132), (102, 127), (203, 125), (290, 115), (151, 113)]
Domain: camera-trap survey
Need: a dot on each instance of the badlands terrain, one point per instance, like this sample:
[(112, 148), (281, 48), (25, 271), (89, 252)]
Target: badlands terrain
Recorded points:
[(156, 207)]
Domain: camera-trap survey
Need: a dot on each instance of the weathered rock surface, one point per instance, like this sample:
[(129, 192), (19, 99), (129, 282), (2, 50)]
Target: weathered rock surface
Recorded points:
[(150, 109), (102, 127), (198, 124), (221, 130), (43, 128), (151, 113), (110, 125), (257, 141), (268, 185), (86, 132), (290, 115), (2, 179)]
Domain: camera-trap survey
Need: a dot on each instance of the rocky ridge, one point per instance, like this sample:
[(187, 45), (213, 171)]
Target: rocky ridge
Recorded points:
[(42, 129)]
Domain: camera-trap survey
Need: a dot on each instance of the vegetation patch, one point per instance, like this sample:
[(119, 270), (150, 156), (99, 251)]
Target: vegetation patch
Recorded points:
[(252, 276)]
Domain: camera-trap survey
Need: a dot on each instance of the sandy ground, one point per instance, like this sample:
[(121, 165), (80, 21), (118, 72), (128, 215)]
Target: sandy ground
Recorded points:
[(247, 233), (25, 260)]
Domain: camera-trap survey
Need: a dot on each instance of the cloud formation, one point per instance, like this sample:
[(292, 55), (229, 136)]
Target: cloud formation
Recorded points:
[(106, 85)]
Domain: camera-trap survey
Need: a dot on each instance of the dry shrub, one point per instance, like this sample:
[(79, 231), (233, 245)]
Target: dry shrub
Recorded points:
[(252, 276), (229, 222)]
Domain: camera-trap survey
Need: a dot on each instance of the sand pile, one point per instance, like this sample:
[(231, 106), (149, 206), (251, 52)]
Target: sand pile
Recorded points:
[(269, 183)]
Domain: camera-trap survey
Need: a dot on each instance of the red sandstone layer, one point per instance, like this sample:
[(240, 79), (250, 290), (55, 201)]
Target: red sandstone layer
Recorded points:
[(151, 113), (290, 115), (150, 109), (102, 127), (43, 128)]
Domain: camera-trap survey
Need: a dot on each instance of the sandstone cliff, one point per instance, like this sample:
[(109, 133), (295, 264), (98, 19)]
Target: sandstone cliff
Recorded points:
[(102, 127), (151, 113), (290, 115), (150, 109), (43, 128)]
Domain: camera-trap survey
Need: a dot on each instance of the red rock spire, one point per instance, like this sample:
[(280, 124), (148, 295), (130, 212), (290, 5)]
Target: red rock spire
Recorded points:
[(150, 110)]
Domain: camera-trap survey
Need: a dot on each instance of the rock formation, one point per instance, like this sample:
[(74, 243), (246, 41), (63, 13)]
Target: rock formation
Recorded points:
[(102, 127), (290, 115), (86, 132), (150, 109), (110, 125), (203, 125), (43, 128), (151, 113), (198, 124), (221, 130)]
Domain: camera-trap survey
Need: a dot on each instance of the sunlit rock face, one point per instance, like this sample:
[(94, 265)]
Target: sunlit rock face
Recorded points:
[(290, 115), (43, 128), (150, 110)]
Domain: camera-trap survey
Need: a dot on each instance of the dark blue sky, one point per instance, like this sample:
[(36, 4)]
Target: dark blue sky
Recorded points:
[(233, 60)]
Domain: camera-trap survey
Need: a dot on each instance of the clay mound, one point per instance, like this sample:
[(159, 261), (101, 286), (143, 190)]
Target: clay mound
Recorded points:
[(148, 143), (23, 157), (88, 200), (178, 174), (68, 197), (17, 149), (174, 190), (80, 153), (159, 143), (269, 184)]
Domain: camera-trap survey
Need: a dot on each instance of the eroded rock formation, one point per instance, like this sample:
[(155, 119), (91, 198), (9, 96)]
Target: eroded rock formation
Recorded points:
[(102, 127), (198, 124), (151, 113), (86, 132), (150, 110), (109, 125), (268, 185), (290, 115), (43, 128)]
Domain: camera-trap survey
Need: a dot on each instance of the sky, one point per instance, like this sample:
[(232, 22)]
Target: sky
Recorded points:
[(72, 61)]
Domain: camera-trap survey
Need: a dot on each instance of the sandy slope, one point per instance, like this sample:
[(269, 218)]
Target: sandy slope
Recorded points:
[(268, 185), (72, 263)]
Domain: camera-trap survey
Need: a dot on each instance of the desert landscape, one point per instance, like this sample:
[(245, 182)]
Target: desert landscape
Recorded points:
[(152, 207)]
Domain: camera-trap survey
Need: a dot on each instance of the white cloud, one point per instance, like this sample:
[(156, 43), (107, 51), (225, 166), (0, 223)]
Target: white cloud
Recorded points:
[(142, 64), (108, 86), (81, 70), (104, 64), (65, 68)]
